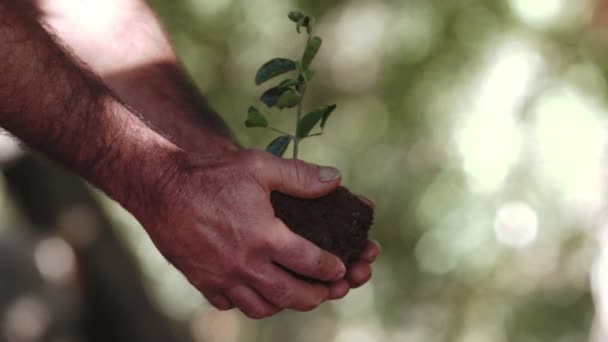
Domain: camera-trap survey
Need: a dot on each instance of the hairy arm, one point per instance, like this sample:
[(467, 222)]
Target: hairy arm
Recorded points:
[(55, 106), (123, 42), (211, 217)]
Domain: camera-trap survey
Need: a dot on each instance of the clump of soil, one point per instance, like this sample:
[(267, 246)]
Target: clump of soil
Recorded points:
[(338, 222)]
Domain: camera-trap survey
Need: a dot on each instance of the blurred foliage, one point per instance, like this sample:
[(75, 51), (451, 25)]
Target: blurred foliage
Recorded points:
[(476, 128)]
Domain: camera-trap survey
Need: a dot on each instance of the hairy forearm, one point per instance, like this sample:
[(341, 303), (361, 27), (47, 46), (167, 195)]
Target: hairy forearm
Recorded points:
[(56, 107), (130, 51)]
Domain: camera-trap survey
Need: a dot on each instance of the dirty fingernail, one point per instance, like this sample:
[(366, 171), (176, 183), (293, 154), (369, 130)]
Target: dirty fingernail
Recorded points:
[(329, 174)]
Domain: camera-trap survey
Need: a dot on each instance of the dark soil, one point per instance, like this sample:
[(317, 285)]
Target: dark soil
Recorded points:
[(338, 222)]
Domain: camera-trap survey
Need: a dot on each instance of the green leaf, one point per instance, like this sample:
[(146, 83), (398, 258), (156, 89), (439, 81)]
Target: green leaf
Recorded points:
[(288, 99), (295, 16), (273, 68), (314, 44), (303, 22), (271, 96), (279, 145), (300, 24), (309, 121), (255, 118), (326, 114)]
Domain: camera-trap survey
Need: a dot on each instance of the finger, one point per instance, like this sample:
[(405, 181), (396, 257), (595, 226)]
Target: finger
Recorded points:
[(219, 301), (304, 258), (251, 303), (285, 291), (297, 178), (366, 201), (358, 274), (338, 289), (371, 252)]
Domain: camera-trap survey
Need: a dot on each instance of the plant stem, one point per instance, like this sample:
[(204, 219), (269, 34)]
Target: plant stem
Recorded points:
[(279, 131), (312, 135), (296, 139)]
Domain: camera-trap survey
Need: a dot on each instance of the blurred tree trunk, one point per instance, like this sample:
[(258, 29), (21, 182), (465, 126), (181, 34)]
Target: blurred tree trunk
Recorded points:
[(115, 305)]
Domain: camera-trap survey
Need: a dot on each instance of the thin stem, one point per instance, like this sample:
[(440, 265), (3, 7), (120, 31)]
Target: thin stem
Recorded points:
[(279, 131), (312, 135), (296, 139)]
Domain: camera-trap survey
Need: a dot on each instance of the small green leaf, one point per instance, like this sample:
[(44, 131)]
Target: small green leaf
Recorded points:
[(255, 118), (273, 68), (314, 44), (326, 114), (295, 16), (279, 145), (288, 99), (271, 96), (309, 121), (303, 22)]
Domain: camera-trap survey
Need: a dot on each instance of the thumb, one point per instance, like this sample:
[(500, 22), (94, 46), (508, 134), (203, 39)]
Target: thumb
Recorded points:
[(298, 178)]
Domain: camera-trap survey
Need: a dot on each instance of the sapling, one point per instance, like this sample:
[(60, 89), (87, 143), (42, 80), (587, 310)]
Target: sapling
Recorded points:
[(338, 222), (290, 92)]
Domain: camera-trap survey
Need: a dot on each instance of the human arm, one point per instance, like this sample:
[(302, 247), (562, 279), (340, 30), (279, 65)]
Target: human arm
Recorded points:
[(210, 217), (129, 49)]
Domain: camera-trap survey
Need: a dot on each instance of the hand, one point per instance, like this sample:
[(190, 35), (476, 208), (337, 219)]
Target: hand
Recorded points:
[(217, 226), (358, 273)]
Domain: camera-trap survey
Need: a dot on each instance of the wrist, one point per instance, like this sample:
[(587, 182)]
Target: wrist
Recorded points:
[(136, 164)]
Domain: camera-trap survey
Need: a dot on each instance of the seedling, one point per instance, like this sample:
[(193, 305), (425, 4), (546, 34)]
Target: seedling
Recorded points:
[(290, 93)]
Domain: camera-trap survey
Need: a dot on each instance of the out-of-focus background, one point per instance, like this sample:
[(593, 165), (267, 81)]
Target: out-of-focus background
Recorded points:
[(477, 127)]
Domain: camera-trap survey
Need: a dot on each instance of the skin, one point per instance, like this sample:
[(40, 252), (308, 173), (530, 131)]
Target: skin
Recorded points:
[(201, 197)]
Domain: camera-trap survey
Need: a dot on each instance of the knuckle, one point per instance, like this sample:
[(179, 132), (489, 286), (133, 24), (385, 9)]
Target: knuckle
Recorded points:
[(301, 171), (263, 244), (255, 160)]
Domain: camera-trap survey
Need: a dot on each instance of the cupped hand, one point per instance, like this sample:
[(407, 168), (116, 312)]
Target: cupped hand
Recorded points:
[(215, 223), (358, 273)]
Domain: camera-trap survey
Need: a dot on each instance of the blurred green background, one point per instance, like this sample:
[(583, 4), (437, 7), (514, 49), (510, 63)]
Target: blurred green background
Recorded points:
[(476, 126)]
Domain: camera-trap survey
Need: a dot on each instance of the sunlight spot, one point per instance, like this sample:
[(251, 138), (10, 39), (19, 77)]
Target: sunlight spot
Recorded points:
[(537, 12), (490, 137), (80, 225), (55, 259), (570, 137), (516, 224), (9, 147), (26, 320)]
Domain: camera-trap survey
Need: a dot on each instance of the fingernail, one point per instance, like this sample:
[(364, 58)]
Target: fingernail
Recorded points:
[(329, 174), (340, 274), (366, 201)]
